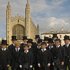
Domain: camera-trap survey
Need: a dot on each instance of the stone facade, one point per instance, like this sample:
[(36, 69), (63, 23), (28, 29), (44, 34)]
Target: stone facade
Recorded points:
[(19, 25)]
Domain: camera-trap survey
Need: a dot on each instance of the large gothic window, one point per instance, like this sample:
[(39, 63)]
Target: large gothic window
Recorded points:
[(18, 31)]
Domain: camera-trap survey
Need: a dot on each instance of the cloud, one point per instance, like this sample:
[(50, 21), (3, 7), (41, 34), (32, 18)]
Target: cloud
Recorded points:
[(56, 21), (41, 5), (46, 13), (57, 2), (56, 24), (38, 6)]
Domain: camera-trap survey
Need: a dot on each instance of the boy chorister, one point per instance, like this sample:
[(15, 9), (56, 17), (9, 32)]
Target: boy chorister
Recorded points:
[(26, 58), (44, 57), (4, 56), (15, 56)]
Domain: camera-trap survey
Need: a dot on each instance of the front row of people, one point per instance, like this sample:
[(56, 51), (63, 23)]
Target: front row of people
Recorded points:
[(35, 55)]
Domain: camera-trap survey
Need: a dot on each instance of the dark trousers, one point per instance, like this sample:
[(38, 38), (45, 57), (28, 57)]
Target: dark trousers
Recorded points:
[(35, 66), (51, 67), (45, 68), (57, 65), (39, 68), (27, 69)]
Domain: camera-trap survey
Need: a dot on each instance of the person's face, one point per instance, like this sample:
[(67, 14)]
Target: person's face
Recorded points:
[(17, 44), (29, 44), (39, 44), (43, 46), (46, 42), (36, 39), (67, 41), (57, 43), (4, 46), (25, 41), (26, 48), (51, 44), (15, 41)]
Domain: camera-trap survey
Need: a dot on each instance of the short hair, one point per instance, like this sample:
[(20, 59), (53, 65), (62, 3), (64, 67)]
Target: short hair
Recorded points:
[(57, 40), (43, 43)]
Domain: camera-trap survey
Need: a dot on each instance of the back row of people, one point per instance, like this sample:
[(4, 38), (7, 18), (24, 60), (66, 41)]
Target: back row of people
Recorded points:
[(47, 54)]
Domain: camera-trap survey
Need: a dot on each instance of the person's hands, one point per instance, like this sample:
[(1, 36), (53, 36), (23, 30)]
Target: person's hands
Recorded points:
[(39, 65), (49, 64)]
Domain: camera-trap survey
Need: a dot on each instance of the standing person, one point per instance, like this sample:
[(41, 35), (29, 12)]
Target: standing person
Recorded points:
[(37, 53), (44, 57), (15, 57), (34, 46), (51, 49), (59, 55), (4, 56), (26, 59), (67, 51)]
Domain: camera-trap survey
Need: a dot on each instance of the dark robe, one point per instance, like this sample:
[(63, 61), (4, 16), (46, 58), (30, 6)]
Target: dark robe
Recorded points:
[(26, 60), (4, 59)]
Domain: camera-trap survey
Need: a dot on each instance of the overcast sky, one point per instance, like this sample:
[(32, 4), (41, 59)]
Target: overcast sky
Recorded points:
[(47, 13)]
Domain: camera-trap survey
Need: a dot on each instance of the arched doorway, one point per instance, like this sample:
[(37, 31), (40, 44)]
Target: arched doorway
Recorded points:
[(18, 31)]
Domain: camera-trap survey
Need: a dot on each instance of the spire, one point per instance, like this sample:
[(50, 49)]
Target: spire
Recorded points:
[(27, 9), (8, 10), (37, 28), (8, 5), (27, 19), (27, 4), (27, 1)]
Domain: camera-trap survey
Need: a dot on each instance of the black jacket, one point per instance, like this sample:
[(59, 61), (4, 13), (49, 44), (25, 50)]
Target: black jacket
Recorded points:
[(4, 57), (67, 53), (44, 57), (15, 57), (59, 54), (26, 58)]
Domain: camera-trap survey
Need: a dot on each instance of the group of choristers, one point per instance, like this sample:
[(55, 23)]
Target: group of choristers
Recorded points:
[(47, 54)]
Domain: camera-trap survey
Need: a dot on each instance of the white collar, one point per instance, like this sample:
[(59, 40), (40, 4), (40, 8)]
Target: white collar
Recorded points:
[(4, 49), (50, 46), (26, 51), (44, 49), (17, 48), (67, 45), (58, 46), (30, 47), (13, 44), (38, 47)]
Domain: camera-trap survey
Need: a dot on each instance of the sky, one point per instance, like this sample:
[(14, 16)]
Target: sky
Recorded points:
[(49, 14)]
